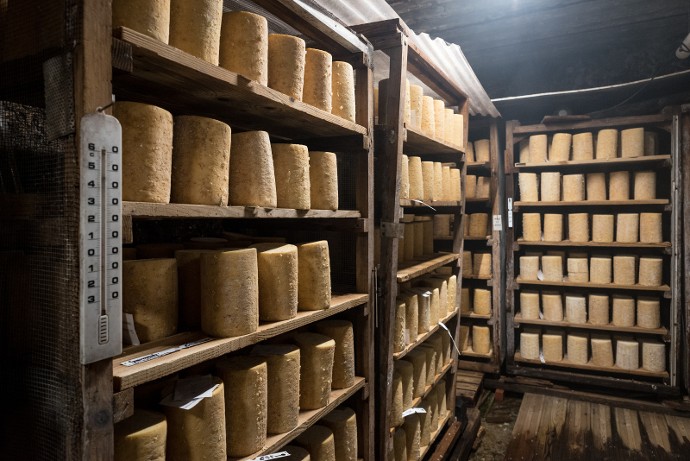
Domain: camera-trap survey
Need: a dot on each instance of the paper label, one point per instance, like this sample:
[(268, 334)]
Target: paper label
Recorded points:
[(129, 334), (190, 391), (411, 411), (163, 353), (281, 454), (498, 222), (540, 275)]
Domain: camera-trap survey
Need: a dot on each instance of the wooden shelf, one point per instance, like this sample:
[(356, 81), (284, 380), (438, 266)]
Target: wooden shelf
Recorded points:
[(185, 211), (589, 204), (589, 366), (568, 243), (140, 373), (421, 145), (613, 122), (472, 315), (485, 238), (306, 420), (479, 167), (423, 337), (427, 390), (608, 286), (471, 353), (441, 426), (477, 199), (412, 269), (586, 166), (588, 326), (437, 204), (478, 277), (181, 83)]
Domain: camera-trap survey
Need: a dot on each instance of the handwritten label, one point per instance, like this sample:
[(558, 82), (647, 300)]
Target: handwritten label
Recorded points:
[(163, 353), (411, 411), (498, 222), (281, 454)]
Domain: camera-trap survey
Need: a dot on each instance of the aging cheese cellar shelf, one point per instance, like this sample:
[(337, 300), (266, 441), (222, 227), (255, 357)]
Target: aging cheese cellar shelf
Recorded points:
[(438, 205), (306, 420), (589, 366), (471, 353), (567, 243), (434, 436), (481, 168), (411, 270), (165, 76), (427, 390), (598, 286), (423, 337), (518, 320), (421, 145), (472, 315), (599, 165), (637, 205), (129, 376)]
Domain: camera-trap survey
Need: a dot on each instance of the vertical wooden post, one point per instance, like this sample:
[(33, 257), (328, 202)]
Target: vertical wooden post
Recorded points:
[(497, 256), (683, 156), (509, 238)]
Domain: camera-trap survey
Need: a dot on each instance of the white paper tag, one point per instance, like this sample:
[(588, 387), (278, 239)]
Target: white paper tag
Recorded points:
[(411, 411), (190, 391), (281, 454), (498, 222), (451, 337), (163, 353), (540, 275), (129, 334)]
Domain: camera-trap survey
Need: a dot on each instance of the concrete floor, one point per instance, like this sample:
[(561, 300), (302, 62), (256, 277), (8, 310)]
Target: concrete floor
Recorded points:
[(498, 419)]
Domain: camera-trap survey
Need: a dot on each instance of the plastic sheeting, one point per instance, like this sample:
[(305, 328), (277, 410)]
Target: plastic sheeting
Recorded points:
[(446, 56)]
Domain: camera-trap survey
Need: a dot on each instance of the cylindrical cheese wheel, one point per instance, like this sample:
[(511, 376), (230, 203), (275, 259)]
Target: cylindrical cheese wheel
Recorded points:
[(531, 227), (552, 268), (465, 305), (434, 305), (418, 360), (538, 146), (645, 185), (624, 269), (147, 144), (150, 295), (583, 146), (428, 181), (598, 309), (141, 436), (423, 310), (405, 178), (416, 95), (283, 366), (195, 27), (578, 270), (651, 141), (343, 90), (407, 106), (619, 185), (246, 403), (578, 227), (411, 316), (431, 361), (323, 178), (577, 348), (573, 187), (198, 433), (602, 228), (479, 223), (602, 352), (229, 293), (623, 311), (399, 445), (483, 189), (447, 184), (397, 400), (469, 153), (529, 267), (482, 301), (553, 227), (452, 293), (560, 147), (343, 423), (439, 119), (286, 60), (318, 440), (648, 313), (627, 226), (482, 264), (550, 187), (189, 278), (244, 45), (318, 75), (409, 241), (651, 270), (425, 422), (314, 288), (149, 17), (470, 186), (654, 356), (627, 354), (296, 453), (442, 397), (464, 338), (552, 304), (406, 371), (482, 150), (600, 270), (607, 143), (201, 161), (416, 178), (341, 331), (523, 147), (441, 285), (428, 120), (481, 339), (596, 186), (632, 142), (455, 184), (651, 228), (428, 237), (576, 309), (291, 165), (277, 281), (529, 345), (529, 305), (252, 177), (316, 369), (413, 434), (552, 346), (438, 181)]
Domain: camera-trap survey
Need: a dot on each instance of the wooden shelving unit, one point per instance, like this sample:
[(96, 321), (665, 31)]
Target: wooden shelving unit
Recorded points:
[(391, 38), (148, 71), (492, 242), (666, 163)]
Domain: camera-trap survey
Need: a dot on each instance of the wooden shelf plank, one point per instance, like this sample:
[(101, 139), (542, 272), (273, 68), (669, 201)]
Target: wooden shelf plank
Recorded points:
[(477, 199), (306, 420), (423, 337), (598, 165), (175, 80), (471, 353), (438, 204), (413, 269), (129, 376), (477, 277), (472, 315), (588, 326), (568, 243), (608, 286), (589, 366), (589, 204), (186, 211), (419, 144), (479, 167)]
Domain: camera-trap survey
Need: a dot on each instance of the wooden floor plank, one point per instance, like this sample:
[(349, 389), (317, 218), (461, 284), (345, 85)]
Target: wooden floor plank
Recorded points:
[(628, 428), (526, 429)]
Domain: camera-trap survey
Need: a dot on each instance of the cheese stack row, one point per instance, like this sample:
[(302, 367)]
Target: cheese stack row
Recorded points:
[(477, 225), (478, 303), (420, 307), (475, 339), (556, 187), (593, 309), (443, 225), (476, 264), (609, 144), (597, 350), (429, 181), (478, 151), (599, 228), (239, 41), (418, 238), (477, 186)]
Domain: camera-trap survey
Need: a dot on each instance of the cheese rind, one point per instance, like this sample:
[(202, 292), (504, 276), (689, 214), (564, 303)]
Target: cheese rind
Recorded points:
[(318, 440), (343, 423), (602, 352), (286, 61), (623, 311), (598, 309), (479, 223), (632, 142), (343, 87), (560, 147), (552, 303), (627, 227), (318, 79), (439, 119), (578, 270), (577, 349), (529, 267), (553, 227), (607, 144), (645, 185), (244, 45), (578, 227), (550, 187), (278, 275), (314, 276), (624, 269), (552, 268), (651, 271), (482, 149), (481, 339), (529, 305), (619, 185), (602, 228), (323, 179), (648, 313), (538, 146), (416, 178), (482, 301), (252, 176), (149, 17), (428, 119), (552, 347), (575, 309), (600, 268), (529, 345), (413, 433), (342, 332), (654, 356), (416, 95), (583, 146), (404, 178), (316, 369), (531, 227), (651, 230), (596, 186), (293, 185), (406, 371), (195, 27), (141, 436), (573, 187), (428, 181), (627, 354)]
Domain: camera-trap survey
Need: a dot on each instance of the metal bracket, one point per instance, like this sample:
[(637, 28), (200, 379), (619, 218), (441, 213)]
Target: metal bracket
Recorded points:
[(392, 230)]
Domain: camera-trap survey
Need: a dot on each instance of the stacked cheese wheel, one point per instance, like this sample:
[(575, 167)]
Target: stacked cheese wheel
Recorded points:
[(429, 181)]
